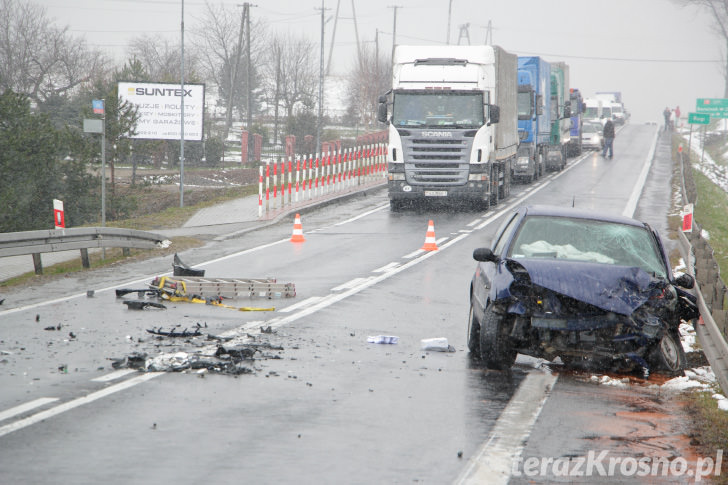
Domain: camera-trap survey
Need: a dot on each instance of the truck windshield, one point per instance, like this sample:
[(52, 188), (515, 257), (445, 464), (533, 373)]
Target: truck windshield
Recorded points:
[(455, 109), (591, 112)]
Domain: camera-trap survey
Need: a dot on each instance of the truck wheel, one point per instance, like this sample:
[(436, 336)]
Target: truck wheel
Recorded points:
[(495, 349), (668, 354), (396, 205), (473, 333)]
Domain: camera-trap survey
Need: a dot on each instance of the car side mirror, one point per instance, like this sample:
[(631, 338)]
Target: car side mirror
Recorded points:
[(484, 255), (567, 111), (685, 281)]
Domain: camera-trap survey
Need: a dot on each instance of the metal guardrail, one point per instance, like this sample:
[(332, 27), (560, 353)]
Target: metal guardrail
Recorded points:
[(710, 335), (82, 238), (711, 338)]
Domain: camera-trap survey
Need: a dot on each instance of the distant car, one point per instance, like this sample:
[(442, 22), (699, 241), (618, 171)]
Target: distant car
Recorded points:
[(594, 289), (591, 135)]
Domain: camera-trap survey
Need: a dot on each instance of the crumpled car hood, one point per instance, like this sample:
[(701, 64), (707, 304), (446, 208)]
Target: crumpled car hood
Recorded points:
[(619, 289)]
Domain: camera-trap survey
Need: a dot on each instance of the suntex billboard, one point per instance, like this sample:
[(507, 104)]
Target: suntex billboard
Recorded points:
[(159, 109)]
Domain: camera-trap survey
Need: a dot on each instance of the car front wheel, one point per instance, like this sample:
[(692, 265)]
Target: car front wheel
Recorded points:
[(668, 355), (495, 349), (473, 333)]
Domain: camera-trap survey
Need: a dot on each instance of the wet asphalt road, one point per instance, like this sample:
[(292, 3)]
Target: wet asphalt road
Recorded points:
[(329, 407)]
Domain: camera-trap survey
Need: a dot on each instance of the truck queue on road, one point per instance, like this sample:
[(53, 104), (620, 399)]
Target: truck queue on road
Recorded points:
[(466, 121)]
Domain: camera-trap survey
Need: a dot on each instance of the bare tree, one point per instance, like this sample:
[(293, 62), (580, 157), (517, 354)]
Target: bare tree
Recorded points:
[(38, 58), (160, 59), (718, 9), (370, 78), (221, 48), (290, 76)]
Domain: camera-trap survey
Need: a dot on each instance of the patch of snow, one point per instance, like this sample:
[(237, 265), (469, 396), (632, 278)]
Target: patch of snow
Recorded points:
[(610, 381)]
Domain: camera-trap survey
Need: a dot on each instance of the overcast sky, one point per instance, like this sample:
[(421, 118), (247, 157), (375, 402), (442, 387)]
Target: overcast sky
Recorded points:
[(654, 51)]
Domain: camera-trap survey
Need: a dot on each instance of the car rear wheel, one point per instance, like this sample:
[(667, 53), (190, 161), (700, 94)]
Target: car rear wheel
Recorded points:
[(495, 349), (473, 333), (668, 355)]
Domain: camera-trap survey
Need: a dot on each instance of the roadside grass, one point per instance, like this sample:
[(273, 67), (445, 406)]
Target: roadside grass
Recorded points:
[(709, 429), (171, 215), (711, 212)]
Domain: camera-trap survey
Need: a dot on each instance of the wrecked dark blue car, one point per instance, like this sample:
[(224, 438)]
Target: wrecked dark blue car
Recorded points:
[(594, 289)]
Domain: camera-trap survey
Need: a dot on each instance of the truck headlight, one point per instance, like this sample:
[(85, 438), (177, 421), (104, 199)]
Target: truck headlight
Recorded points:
[(522, 161), (478, 177), (396, 176)]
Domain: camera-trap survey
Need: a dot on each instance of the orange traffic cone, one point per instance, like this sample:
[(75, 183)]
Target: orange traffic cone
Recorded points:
[(297, 230), (430, 244)]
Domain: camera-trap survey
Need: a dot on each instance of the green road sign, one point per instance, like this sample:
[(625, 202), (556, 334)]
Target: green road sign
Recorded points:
[(715, 107), (698, 118)]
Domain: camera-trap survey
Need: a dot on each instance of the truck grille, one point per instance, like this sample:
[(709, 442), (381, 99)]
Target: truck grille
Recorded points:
[(437, 161)]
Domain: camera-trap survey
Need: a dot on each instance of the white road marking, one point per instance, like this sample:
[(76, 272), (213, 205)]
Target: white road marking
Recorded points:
[(493, 462), (348, 284), (296, 306), (385, 268), (24, 408), (112, 376), (67, 406)]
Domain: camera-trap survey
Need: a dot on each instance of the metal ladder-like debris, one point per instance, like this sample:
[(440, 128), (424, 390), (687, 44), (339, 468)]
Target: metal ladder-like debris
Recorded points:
[(189, 286)]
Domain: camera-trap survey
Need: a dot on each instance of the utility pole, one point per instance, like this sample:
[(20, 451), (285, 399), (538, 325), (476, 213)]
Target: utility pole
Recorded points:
[(394, 28), (449, 17), (182, 114), (249, 121), (489, 33), (333, 37), (356, 33), (321, 82), (464, 32)]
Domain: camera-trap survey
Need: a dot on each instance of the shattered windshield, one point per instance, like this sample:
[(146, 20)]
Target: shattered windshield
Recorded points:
[(454, 109), (562, 238)]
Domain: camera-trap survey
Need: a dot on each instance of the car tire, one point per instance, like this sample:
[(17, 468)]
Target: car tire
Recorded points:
[(668, 354), (495, 349), (473, 333)]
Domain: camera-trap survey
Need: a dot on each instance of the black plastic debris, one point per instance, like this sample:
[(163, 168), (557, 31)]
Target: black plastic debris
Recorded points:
[(172, 333), (136, 360), (140, 293), (182, 269), (243, 352), (143, 305)]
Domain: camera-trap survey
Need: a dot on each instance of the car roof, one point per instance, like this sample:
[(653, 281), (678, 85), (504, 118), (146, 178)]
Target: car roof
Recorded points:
[(558, 211)]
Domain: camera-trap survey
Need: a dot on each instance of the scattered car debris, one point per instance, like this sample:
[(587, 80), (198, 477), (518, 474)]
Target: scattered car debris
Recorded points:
[(383, 339), (136, 360), (144, 292), (90, 293), (181, 269), (54, 327), (143, 305), (438, 344), (172, 333)]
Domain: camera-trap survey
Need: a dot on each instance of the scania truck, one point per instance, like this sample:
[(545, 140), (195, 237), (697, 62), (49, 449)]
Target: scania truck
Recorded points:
[(534, 117), (453, 129)]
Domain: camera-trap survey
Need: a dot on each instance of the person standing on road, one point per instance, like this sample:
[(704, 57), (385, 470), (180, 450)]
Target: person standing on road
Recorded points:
[(666, 114), (608, 133)]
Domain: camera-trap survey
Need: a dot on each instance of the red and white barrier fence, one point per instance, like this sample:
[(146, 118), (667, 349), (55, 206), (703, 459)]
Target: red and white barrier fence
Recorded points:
[(296, 180)]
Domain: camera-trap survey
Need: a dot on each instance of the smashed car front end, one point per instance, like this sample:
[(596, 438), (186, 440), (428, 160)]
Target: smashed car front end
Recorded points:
[(608, 315)]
